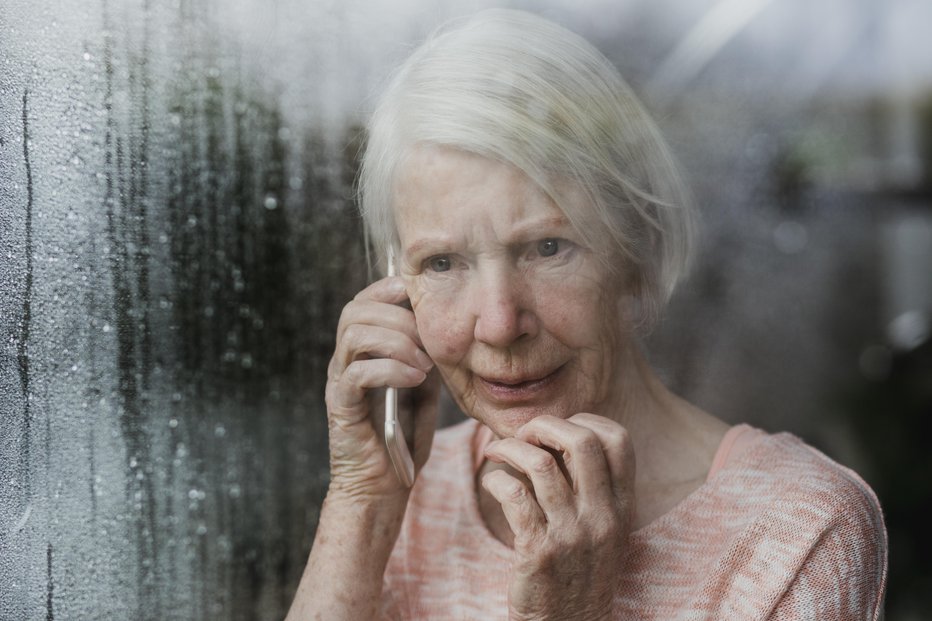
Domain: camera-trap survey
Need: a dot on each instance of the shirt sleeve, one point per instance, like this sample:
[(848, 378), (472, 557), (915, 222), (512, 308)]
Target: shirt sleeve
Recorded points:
[(845, 574)]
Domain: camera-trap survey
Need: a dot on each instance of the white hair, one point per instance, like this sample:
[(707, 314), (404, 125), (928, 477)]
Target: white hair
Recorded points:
[(517, 88)]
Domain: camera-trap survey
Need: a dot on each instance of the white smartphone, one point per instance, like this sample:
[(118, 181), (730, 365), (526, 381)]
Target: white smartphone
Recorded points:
[(395, 441)]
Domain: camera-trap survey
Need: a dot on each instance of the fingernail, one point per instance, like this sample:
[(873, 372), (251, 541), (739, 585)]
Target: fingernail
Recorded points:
[(423, 360), (416, 374), (397, 285)]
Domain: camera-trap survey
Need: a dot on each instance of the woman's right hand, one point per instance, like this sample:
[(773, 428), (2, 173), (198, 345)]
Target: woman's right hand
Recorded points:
[(377, 345)]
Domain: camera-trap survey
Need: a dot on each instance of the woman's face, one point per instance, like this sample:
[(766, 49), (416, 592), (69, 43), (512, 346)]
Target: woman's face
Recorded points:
[(520, 317)]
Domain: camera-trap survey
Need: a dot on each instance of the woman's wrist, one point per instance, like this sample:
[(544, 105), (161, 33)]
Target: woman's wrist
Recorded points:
[(370, 521), (352, 494), (344, 574), (370, 507)]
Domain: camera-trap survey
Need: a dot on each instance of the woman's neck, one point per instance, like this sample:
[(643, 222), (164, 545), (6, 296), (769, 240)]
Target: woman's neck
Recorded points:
[(674, 441)]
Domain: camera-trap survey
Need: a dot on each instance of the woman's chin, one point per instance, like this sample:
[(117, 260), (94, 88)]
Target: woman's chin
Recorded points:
[(506, 423)]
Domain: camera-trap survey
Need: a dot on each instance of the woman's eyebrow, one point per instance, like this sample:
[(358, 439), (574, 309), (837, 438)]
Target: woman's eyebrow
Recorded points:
[(544, 227), (521, 232), (419, 245)]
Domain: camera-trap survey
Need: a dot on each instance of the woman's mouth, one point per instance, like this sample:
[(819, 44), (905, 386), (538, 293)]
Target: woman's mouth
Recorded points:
[(517, 390)]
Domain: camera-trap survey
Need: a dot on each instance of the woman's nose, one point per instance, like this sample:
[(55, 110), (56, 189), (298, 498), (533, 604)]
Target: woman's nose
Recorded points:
[(502, 311)]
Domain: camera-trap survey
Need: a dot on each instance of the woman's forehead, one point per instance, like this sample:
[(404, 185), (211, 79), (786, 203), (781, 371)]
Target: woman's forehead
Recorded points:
[(445, 188), (454, 193)]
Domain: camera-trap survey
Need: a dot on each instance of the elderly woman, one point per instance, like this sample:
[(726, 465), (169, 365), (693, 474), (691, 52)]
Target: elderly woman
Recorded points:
[(539, 227)]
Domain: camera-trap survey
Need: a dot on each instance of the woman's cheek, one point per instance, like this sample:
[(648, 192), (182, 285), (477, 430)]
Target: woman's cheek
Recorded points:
[(442, 330)]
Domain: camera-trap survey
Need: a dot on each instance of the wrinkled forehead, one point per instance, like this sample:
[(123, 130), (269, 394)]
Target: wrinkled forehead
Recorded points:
[(431, 169)]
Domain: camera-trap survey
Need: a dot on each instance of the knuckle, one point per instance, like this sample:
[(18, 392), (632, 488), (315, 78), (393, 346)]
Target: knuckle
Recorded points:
[(352, 374), (346, 315), (352, 333), (620, 436), (544, 463), (617, 441), (515, 492)]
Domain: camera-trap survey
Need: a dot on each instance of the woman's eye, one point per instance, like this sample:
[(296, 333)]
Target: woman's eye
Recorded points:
[(548, 247), (439, 264)]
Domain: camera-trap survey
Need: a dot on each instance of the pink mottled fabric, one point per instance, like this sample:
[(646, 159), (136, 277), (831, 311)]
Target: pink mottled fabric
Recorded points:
[(777, 531)]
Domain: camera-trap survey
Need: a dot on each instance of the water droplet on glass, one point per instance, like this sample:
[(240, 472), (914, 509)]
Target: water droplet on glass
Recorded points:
[(909, 330), (270, 202)]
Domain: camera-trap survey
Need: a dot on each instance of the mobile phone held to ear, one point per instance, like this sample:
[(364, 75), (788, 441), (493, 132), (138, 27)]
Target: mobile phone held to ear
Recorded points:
[(394, 435)]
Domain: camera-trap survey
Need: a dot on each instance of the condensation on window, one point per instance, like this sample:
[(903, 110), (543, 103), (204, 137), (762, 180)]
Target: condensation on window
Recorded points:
[(177, 240)]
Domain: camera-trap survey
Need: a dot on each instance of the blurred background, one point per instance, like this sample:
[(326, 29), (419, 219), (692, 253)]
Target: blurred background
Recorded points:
[(178, 236)]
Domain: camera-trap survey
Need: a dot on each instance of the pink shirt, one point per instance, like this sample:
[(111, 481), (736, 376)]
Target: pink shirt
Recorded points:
[(777, 531)]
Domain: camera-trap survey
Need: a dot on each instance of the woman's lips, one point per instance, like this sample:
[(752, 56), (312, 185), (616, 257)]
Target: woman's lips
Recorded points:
[(517, 391)]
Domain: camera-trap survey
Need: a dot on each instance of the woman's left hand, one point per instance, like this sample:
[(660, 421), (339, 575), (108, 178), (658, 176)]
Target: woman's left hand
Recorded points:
[(571, 525)]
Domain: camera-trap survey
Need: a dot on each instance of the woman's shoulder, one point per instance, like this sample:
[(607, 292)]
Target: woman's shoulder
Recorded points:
[(795, 492), (823, 512), (784, 518), (783, 466)]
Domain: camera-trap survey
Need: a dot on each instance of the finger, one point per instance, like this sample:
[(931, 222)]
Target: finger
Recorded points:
[(523, 514), (348, 390), (361, 341), (553, 491), (390, 290), (582, 451), (617, 448), (375, 313)]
